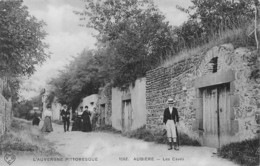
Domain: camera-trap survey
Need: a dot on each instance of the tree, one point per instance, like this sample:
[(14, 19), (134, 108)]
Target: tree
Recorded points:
[(188, 35), (22, 109), (217, 16), (82, 77), (135, 33), (21, 40)]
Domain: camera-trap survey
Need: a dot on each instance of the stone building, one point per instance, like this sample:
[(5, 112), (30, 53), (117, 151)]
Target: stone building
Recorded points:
[(124, 110), (90, 101), (104, 105), (129, 107), (5, 108), (217, 98)]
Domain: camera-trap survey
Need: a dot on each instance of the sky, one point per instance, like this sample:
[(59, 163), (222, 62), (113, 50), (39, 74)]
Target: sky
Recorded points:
[(66, 38)]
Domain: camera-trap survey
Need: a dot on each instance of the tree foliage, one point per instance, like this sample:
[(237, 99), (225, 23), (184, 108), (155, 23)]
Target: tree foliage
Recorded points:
[(134, 31), (22, 108), (211, 18), (22, 45), (133, 37), (82, 77), (216, 16), (21, 38)]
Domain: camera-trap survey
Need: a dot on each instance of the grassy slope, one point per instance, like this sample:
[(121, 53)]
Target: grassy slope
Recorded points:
[(246, 152), (23, 138), (238, 37)]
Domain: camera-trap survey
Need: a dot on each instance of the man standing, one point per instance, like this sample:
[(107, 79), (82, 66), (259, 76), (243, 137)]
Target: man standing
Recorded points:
[(65, 114), (171, 119)]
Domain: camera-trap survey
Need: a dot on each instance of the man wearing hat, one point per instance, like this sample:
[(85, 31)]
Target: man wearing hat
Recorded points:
[(65, 114), (171, 119)]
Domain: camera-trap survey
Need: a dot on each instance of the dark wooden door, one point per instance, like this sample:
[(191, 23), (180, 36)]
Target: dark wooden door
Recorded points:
[(127, 114), (210, 117), (224, 114), (216, 115)]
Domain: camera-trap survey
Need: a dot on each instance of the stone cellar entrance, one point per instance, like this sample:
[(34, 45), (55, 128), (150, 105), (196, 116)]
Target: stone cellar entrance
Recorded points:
[(127, 115), (216, 114)]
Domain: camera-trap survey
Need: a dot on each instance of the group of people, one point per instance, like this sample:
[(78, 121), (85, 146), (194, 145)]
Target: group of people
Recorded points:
[(82, 122), (82, 119)]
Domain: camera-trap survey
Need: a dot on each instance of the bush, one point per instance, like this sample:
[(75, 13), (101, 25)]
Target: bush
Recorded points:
[(244, 153), (151, 136), (10, 141), (107, 128), (158, 137)]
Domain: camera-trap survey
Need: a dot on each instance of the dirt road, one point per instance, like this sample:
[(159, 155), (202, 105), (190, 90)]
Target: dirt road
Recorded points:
[(98, 149)]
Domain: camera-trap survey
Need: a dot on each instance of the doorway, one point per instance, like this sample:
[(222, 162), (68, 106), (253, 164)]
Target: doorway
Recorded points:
[(216, 115), (127, 115)]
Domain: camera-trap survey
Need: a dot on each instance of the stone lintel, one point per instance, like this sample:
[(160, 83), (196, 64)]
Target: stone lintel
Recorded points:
[(126, 96), (220, 77)]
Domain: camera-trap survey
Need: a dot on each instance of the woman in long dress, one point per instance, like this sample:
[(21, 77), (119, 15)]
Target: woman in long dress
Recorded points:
[(47, 125), (86, 124), (77, 125)]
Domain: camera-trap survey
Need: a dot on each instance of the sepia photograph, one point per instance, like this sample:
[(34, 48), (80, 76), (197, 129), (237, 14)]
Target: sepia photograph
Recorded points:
[(129, 82)]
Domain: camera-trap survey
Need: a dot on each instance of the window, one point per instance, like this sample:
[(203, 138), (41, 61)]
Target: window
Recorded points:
[(214, 63)]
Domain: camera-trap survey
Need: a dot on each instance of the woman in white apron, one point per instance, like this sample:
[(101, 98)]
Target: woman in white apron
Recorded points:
[(47, 125)]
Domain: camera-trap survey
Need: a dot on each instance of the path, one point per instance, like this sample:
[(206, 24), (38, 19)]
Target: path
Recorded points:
[(114, 149)]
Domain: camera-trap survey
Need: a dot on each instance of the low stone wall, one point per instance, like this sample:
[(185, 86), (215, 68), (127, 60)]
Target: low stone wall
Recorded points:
[(183, 82)]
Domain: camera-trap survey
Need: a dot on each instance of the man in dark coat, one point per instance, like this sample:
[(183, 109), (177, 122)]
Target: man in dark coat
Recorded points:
[(171, 120), (86, 125), (65, 114)]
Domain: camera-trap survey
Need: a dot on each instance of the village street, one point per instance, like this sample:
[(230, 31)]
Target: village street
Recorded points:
[(114, 149)]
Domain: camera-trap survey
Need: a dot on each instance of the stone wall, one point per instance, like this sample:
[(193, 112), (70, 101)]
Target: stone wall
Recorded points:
[(182, 81), (166, 82), (104, 106)]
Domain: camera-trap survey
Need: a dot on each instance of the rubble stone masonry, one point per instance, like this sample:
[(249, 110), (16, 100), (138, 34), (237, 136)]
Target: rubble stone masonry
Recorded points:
[(104, 100), (182, 81)]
